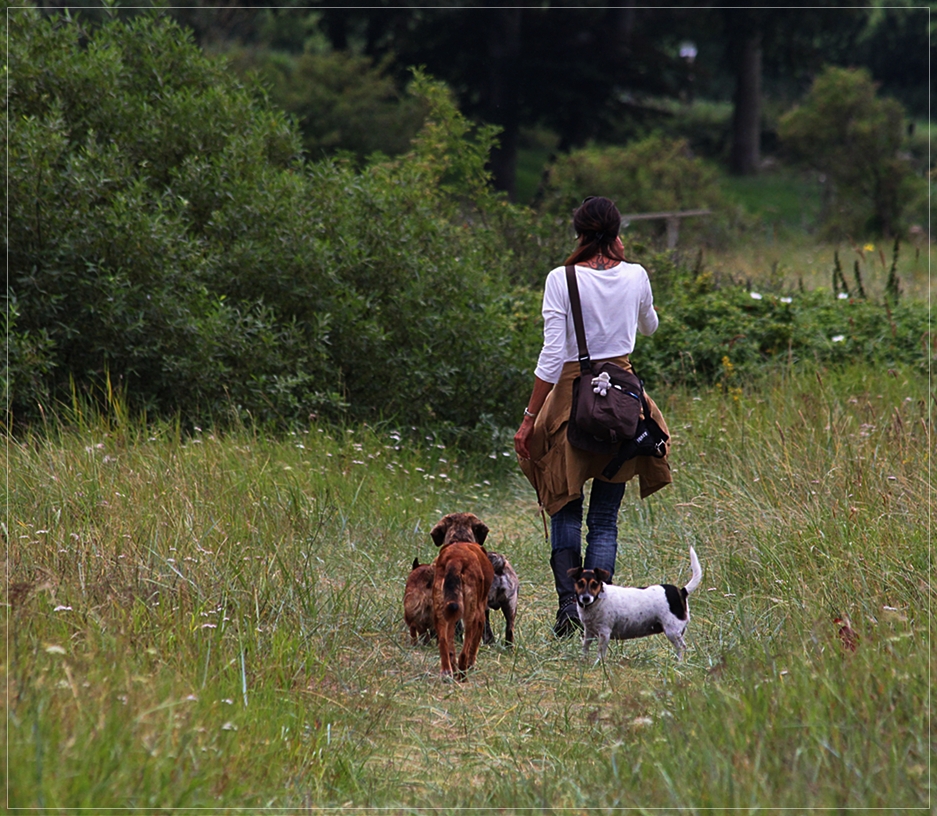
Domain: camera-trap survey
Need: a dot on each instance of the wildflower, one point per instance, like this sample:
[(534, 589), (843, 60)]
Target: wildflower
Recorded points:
[(787, 300), (838, 338), (755, 296), (869, 248), (843, 296)]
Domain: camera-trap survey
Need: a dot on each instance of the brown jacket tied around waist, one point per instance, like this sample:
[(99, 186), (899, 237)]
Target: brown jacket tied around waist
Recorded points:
[(558, 471)]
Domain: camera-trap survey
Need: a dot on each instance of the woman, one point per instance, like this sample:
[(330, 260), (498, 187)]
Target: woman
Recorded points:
[(616, 304)]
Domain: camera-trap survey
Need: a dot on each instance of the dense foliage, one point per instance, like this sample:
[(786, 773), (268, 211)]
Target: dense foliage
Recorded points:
[(341, 101), (853, 137), (168, 240), (655, 174), (725, 332)]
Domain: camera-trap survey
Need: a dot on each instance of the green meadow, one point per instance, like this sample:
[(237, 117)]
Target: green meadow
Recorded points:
[(207, 620)]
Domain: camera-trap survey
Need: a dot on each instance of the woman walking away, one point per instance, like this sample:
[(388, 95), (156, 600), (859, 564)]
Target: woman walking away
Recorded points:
[(617, 303)]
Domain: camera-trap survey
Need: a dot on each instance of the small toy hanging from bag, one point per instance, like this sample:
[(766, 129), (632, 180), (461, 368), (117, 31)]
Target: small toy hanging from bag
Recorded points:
[(601, 384)]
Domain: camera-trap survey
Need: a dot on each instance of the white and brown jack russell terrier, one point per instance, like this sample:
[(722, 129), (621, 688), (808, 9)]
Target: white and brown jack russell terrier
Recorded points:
[(622, 613)]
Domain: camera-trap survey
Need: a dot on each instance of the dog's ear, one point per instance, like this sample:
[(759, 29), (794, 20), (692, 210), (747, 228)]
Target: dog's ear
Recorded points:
[(575, 573), (416, 563), (438, 533), (480, 530), (603, 575)]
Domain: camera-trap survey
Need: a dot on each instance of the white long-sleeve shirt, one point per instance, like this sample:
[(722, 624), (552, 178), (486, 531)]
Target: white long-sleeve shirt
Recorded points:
[(616, 304)]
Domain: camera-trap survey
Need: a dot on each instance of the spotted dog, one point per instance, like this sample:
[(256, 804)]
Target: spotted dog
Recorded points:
[(611, 612)]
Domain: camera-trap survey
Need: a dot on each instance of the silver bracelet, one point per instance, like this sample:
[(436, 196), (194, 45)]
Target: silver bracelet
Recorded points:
[(528, 414)]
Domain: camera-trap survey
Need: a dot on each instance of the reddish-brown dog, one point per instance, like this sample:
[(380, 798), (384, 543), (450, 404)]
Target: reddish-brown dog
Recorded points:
[(461, 582), (418, 601)]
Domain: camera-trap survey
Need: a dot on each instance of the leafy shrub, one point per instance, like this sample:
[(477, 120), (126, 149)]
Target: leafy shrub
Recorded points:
[(711, 333), (845, 131), (341, 101), (165, 236), (654, 175), (107, 261), (705, 125)]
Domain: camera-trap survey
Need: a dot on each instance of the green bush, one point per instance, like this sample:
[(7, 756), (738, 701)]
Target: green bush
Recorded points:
[(654, 175), (341, 101), (845, 131), (107, 258), (725, 334), (165, 237)]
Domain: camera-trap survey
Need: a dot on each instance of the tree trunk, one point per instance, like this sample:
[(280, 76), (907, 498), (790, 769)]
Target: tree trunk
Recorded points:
[(504, 46), (746, 121)]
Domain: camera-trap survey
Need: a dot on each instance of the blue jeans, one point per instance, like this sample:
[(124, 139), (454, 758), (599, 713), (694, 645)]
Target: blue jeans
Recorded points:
[(602, 521)]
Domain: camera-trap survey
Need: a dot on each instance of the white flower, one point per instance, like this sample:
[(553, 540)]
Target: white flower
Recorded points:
[(838, 338), (755, 296), (787, 300), (843, 296)]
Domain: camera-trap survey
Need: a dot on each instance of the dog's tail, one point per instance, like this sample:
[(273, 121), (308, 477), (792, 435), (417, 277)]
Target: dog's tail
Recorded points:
[(452, 592), (697, 572)]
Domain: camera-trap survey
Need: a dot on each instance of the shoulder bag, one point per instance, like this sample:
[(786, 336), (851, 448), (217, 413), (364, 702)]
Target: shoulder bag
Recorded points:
[(609, 412)]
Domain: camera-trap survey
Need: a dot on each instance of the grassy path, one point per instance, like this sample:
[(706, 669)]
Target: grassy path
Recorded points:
[(217, 622)]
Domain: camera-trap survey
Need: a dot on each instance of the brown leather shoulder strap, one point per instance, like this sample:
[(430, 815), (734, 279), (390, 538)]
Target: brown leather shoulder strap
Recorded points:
[(576, 305)]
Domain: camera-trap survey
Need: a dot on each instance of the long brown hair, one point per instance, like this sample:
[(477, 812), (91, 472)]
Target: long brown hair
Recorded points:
[(596, 222)]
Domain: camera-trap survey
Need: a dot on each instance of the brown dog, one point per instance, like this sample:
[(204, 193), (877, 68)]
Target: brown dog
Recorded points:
[(461, 583), (418, 602)]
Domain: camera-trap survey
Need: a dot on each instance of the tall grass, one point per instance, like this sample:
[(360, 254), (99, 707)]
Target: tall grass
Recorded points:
[(801, 263), (216, 621)]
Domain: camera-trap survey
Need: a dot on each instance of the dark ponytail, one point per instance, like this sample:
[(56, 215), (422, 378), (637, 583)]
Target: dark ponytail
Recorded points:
[(597, 222)]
